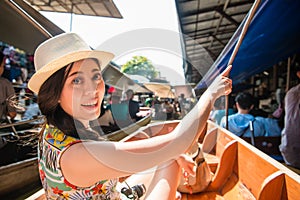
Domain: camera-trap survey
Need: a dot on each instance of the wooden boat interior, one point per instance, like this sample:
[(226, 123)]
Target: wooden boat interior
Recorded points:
[(240, 171), (19, 140)]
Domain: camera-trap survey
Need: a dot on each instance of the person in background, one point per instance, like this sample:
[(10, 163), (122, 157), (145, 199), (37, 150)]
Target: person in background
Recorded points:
[(239, 123), (271, 126), (177, 109), (75, 162), (184, 104), (167, 109), (218, 111), (290, 139), (279, 112), (113, 100), (32, 110), (7, 92), (156, 105), (149, 101), (133, 106)]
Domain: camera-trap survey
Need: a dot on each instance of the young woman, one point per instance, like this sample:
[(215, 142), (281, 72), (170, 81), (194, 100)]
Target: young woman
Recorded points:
[(74, 161)]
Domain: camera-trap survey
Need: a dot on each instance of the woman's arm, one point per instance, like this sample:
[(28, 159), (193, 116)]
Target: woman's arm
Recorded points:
[(105, 160)]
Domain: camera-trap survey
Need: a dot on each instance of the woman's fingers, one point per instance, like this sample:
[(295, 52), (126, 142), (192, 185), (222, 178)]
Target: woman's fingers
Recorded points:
[(222, 85), (226, 71), (227, 81), (187, 164)]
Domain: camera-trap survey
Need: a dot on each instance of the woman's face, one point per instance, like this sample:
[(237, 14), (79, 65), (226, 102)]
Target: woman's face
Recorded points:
[(83, 91)]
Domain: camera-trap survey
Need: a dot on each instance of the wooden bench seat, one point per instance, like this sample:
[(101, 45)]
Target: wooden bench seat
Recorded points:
[(213, 146), (212, 161), (291, 187), (255, 175)]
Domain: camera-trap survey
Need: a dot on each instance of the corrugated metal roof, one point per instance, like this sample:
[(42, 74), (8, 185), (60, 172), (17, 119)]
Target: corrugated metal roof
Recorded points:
[(207, 26), (103, 8)]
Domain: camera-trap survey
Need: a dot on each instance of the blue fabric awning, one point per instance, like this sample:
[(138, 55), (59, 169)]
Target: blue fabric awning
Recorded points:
[(273, 35)]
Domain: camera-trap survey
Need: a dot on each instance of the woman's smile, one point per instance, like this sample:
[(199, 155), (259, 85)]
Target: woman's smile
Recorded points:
[(91, 105)]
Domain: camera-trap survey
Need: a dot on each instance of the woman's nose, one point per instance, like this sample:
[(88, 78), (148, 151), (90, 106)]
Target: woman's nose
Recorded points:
[(91, 87)]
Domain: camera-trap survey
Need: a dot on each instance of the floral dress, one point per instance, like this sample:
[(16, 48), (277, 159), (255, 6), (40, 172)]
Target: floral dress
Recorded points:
[(52, 146)]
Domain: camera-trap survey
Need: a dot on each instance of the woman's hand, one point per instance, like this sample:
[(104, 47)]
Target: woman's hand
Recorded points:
[(222, 85), (187, 164)]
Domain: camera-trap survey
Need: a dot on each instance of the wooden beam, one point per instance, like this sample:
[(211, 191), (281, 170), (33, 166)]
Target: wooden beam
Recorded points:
[(229, 18)]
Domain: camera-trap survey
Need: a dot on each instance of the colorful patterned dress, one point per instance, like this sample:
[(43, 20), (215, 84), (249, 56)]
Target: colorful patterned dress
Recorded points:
[(52, 146)]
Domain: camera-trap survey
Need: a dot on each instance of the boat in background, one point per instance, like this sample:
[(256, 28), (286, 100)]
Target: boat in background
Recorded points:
[(19, 140), (18, 166), (17, 175)]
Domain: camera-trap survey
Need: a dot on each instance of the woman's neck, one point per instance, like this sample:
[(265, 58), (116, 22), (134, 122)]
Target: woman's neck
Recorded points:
[(86, 124)]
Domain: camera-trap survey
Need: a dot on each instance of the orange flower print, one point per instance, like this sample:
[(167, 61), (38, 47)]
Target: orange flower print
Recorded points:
[(97, 189), (56, 190)]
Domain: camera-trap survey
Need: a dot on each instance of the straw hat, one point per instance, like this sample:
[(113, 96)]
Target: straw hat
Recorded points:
[(59, 51)]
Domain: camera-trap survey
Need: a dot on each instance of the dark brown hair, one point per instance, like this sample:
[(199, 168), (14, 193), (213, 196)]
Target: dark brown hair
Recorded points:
[(48, 97)]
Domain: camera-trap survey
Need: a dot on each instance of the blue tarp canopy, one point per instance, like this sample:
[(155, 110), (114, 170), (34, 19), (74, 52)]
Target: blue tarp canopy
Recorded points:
[(273, 36)]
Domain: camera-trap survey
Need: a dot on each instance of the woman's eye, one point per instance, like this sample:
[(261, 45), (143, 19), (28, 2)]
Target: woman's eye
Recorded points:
[(77, 81), (97, 77)]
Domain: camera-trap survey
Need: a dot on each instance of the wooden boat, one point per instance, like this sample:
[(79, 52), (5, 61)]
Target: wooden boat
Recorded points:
[(19, 140), (240, 171), (14, 176), (18, 166)]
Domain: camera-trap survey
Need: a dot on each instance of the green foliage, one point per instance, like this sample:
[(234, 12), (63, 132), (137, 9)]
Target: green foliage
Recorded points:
[(140, 65)]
